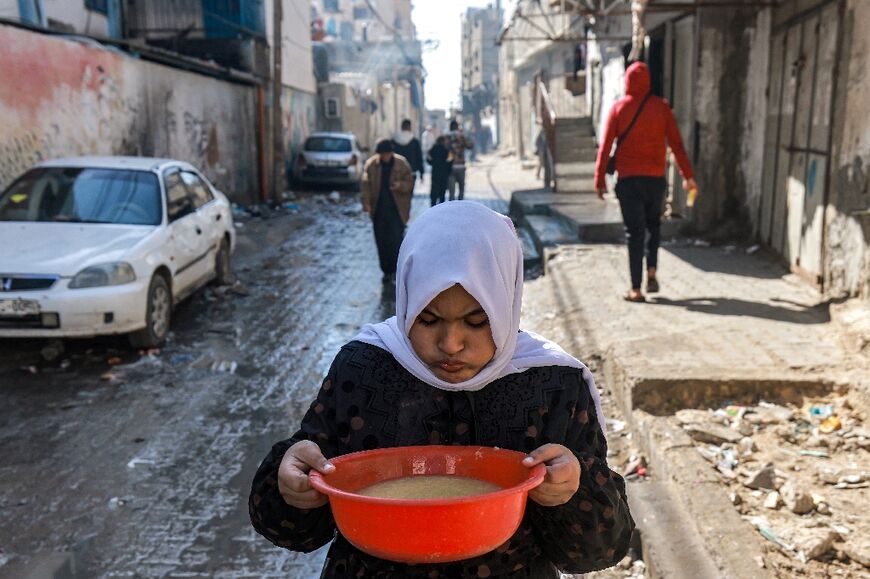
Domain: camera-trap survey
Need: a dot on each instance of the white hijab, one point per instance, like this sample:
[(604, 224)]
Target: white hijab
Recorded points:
[(463, 242)]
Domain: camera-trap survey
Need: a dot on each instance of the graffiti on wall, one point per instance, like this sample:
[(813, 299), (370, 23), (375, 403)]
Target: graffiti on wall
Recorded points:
[(69, 99), (300, 110)]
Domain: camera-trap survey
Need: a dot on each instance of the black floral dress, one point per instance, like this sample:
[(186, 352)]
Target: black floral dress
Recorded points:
[(368, 400)]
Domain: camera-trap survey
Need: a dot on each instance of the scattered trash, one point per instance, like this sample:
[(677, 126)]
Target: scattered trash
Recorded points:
[(30, 369), (137, 461), (816, 453), (712, 433), (764, 478), (177, 359), (796, 500), (291, 206), (334, 197), (115, 502), (763, 526), (752, 249), (766, 414), (114, 361), (112, 377), (772, 500), (735, 498), (821, 411), (635, 465), (700, 243), (614, 425), (830, 424), (239, 289)]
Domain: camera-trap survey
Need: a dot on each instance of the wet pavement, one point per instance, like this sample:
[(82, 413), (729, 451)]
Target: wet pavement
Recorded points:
[(117, 463)]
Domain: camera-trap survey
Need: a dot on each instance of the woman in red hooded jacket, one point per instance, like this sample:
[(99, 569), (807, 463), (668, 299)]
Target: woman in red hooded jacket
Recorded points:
[(640, 165)]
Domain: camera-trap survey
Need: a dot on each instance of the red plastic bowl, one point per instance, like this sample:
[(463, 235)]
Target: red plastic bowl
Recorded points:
[(429, 530)]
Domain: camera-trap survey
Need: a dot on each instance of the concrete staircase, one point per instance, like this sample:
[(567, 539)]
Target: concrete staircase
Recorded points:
[(576, 150)]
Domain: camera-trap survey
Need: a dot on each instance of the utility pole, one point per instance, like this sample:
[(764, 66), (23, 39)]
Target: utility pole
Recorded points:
[(277, 124)]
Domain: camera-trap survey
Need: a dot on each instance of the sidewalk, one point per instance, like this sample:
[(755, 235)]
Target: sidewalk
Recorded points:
[(729, 329)]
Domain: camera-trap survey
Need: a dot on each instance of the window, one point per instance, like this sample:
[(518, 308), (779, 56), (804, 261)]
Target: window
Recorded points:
[(198, 189), (83, 195), (332, 110), (328, 144), (101, 6), (178, 203)]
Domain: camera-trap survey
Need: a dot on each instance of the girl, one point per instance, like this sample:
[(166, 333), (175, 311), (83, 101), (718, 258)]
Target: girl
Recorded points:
[(453, 367)]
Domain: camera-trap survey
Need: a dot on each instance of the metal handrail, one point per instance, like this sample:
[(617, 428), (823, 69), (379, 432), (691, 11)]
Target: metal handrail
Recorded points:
[(547, 113)]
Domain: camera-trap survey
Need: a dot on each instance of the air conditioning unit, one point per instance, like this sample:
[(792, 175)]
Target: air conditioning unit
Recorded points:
[(332, 108)]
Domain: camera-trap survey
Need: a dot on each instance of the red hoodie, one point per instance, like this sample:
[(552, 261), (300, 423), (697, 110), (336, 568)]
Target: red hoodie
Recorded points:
[(643, 152)]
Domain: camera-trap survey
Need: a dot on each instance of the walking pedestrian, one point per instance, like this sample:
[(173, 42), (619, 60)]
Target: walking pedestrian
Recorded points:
[(441, 160), (408, 146), (386, 191), (459, 144), (427, 140), (453, 367), (642, 126)]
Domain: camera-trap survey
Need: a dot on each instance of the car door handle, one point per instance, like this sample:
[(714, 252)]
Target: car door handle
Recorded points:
[(198, 231)]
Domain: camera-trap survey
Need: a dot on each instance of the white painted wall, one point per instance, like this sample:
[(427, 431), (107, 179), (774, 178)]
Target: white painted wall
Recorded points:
[(297, 69)]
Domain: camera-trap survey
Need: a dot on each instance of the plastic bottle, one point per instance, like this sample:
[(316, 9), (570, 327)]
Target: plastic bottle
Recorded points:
[(693, 194)]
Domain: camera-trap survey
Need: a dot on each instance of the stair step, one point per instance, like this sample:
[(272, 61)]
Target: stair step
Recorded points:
[(531, 255), (578, 168), (547, 231), (576, 184)]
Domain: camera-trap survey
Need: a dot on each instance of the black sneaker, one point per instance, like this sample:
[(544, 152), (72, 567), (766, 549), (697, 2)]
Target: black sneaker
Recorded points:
[(652, 286)]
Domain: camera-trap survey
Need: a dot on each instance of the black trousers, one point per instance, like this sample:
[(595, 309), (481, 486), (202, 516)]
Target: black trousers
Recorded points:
[(438, 189), (640, 199), (389, 231)]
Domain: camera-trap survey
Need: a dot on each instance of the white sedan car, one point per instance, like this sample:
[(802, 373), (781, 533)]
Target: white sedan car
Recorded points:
[(108, 245)]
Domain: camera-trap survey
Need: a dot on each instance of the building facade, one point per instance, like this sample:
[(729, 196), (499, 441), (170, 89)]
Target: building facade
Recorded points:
[(201, 86), (480, 80)]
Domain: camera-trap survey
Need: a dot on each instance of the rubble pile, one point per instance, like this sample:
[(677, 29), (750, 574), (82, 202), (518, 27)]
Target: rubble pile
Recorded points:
[(799, 474)]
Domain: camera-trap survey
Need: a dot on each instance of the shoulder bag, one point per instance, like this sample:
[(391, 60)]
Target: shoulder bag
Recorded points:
[(611, 163)]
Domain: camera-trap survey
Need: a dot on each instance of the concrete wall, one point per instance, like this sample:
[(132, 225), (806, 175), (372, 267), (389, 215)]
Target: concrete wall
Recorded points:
[(74, 16), (847, 247), (297, 71), (9, 10), (61, 98), (300, 120), (726, 118)]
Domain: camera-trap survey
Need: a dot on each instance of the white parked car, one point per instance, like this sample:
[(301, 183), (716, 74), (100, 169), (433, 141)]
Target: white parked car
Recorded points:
[(108, 245), (334, 158)]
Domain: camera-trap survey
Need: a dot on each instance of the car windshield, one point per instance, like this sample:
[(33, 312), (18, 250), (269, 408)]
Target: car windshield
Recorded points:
[(83, 195), (328, 144)]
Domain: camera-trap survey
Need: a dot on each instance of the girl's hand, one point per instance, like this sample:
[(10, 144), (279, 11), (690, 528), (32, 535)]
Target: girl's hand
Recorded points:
[(563, 474), (293, 481)]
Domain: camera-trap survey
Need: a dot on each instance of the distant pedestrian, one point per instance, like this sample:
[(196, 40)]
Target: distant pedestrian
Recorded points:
[(642, 126), (427, 140), (542, 151), (386, 190), (408, 146), (441, 159), (459, 144)]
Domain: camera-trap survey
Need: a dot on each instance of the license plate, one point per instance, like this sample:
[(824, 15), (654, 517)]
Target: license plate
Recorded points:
[(19, 308)]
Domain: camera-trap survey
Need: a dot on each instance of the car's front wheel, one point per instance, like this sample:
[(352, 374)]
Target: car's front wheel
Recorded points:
[(158, 315), (223, 274)]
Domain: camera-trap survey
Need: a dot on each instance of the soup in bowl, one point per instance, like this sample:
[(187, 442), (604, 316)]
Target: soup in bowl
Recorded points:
[(429, 504)]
